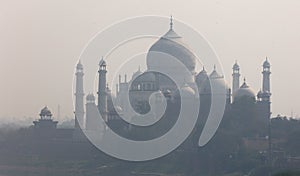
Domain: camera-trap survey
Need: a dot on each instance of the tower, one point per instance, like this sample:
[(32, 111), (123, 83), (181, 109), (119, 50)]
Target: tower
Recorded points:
[(235, 77), (79, 94), (266, 76), (102, 94), (265, 94)]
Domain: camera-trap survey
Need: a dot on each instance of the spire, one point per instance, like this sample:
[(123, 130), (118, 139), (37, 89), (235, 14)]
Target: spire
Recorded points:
[(244, 84), (171, 34), (79, 94), (266, 63), (102, 89), (79, 66), (171, 22)]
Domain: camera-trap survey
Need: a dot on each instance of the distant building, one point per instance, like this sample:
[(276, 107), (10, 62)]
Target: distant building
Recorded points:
[(45, 127), (45, 120), (143, 84)]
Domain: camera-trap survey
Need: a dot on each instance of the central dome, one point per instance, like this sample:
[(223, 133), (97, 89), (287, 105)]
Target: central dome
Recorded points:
[(170, 44)]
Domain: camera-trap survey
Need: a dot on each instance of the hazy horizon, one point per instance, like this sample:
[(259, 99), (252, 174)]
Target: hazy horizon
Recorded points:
[(41, 43)]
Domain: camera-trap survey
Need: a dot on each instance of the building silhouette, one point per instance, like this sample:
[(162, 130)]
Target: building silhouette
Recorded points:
[(143, 84)]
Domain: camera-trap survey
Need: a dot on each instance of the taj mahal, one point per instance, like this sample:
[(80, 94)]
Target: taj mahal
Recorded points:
[(142, 85)]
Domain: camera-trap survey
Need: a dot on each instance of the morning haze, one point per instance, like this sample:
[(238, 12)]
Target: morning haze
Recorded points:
[(41, 43)]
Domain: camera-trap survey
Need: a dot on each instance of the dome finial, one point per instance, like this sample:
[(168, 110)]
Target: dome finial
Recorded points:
[(203, 68), (171, 22), (214, 67), (139, 68), (244, 79)]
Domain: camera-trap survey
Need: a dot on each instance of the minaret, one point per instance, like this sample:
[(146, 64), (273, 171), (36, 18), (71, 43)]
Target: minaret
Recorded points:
[(264, 104), (266, 76), (79, 94), (102, 94), (235, 77)]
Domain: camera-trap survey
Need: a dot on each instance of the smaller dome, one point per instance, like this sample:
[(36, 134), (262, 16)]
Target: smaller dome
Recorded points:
[(203, 72), (201, 77), (266, 64), (146, 77), (136, 74), (90, 97), (244, 91), (214, 74), (45, 112)]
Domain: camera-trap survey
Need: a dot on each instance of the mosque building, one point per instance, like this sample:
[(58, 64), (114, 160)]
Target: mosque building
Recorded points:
[(143, 84)]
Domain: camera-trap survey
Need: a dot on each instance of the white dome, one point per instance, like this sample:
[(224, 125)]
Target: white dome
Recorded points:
[(170, 44), (220, 85), (215, 75), (45, 112), (201, 77), (145, 77), (203, 74), (136, 74), (244, 91)]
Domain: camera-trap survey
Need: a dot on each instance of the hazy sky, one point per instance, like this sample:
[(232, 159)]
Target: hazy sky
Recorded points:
[(40, 42)]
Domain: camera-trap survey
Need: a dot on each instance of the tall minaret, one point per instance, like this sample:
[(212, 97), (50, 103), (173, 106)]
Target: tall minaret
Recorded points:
[(235, 77), (266, 76), (102, 94), (79, 94)]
